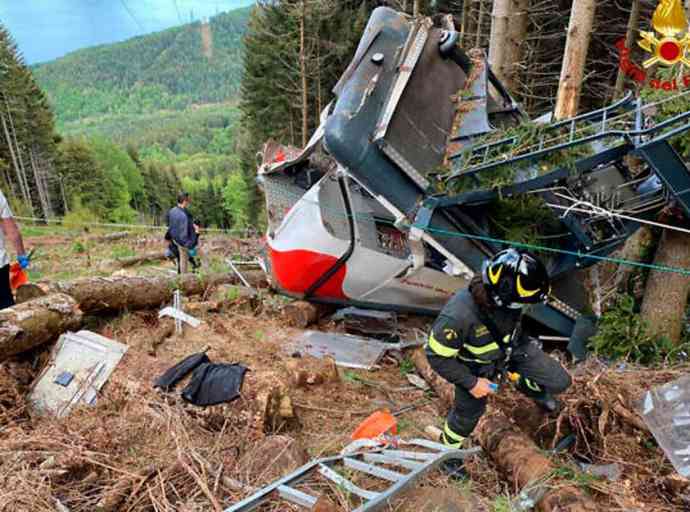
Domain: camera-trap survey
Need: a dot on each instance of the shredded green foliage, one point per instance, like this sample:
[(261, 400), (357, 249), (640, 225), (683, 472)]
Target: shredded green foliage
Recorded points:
[(525, 219), (522, 139), (623, 334)]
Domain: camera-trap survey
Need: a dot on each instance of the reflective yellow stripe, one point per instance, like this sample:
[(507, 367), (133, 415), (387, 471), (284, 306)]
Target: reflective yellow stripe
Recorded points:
[(456, 438), (522, 292), (449, 443), (532, 385), (494, 277), (440, 349), (506, 339), (477, 351)]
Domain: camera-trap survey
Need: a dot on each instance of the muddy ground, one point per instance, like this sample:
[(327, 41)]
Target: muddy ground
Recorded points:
[(141, 449)]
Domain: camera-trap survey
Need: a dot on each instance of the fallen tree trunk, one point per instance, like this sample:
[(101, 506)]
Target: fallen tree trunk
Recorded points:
[(35, 322), (98, 294), (137, 260), (111, 236), (40, 320), (517, 455)]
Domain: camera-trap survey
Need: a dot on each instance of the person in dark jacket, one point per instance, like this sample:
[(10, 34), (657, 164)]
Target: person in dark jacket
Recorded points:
[(478, 338), (183, 234)]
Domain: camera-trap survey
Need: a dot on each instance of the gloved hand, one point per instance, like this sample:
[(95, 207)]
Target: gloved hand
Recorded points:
[(23, 260), (192, 252)]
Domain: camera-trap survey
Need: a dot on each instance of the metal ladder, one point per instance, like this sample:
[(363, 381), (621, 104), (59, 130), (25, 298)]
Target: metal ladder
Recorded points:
[(410, 465)]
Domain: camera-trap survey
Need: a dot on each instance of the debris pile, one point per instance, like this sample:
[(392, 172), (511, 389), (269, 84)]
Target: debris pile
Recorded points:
[(305, 393)]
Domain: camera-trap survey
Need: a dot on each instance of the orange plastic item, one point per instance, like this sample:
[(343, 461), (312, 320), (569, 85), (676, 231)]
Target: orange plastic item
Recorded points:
[(17, 276), (378, 423)]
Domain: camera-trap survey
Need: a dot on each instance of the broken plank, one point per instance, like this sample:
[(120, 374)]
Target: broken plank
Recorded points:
[(179, 315)]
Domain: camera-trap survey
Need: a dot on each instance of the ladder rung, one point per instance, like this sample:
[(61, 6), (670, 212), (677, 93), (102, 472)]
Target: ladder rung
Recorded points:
[(371, 469), (346, 484), (297, 497), (388, 459), (425, 443), (403, 454)]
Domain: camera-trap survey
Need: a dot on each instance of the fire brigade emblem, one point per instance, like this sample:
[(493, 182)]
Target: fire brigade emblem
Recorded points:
[(670, 40), (450, 334)]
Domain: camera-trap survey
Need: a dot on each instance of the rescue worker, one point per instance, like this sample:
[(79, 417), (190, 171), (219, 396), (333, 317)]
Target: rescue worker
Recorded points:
[(183, 234), (478, 338)]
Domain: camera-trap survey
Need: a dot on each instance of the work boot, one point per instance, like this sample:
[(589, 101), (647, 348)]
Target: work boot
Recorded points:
[(455, 469), (548, 403)]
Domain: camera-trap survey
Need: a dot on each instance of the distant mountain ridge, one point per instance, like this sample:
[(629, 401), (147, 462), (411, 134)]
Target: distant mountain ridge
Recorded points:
[(168, 70)]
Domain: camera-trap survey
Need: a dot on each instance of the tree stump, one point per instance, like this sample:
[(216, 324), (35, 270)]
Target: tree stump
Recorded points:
[(301, 313)]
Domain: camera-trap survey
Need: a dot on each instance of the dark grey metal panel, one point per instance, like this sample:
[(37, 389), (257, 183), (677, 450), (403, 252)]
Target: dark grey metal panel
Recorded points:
[(423, 118)]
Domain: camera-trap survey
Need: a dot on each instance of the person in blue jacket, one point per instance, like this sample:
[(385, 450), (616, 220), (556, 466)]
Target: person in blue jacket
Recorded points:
[(183, 234)]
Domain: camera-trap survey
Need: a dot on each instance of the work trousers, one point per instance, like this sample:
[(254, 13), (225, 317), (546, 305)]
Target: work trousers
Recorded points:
[(182, 260), (539, 374), (6, 297)]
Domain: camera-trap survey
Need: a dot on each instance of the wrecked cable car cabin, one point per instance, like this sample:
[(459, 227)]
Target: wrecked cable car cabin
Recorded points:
[(423, 165)]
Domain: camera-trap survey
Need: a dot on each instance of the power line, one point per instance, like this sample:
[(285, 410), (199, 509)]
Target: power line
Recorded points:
[(131, 15)]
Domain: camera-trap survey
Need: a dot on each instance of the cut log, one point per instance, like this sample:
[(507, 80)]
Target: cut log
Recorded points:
[(27, 292), (99, 294), (38, 321), (301, 313), (444, 389), (517, 456)]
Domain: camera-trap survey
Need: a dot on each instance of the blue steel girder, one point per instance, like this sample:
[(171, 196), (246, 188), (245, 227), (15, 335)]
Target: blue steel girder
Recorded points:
[(670, 168)]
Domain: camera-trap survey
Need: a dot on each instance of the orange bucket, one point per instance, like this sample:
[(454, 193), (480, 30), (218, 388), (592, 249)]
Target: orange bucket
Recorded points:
[(17, 276), (375, 425)]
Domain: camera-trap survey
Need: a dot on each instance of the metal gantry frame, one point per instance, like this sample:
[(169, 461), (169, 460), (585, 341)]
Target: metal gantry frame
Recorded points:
[(564, 188)]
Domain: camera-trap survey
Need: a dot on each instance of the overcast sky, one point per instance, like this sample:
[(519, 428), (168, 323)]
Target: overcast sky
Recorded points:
[(47, 29)]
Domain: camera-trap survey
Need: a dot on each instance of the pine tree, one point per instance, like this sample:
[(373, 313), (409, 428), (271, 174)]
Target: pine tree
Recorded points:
[(27, 136)]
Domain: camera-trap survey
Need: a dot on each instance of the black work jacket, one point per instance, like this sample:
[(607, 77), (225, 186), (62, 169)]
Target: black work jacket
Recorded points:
[(466, 341)]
